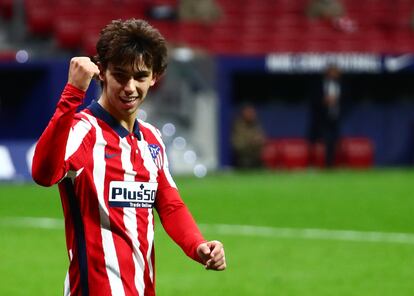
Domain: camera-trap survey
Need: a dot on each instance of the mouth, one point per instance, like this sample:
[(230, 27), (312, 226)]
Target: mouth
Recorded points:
[(129, 99)]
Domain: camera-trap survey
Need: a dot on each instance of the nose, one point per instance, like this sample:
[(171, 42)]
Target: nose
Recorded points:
[(129, 87)]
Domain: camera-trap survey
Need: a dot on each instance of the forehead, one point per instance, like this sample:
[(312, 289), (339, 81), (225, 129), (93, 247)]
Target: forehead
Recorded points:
[(137, 65)]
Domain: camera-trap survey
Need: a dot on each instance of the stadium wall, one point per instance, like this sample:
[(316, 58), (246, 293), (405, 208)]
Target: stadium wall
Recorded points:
[(389, 125), (30, 91)]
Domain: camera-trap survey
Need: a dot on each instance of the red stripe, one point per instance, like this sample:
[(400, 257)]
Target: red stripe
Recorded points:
[(88, 202), (98, 281), (123, 244), (142, 216), (142, 221)]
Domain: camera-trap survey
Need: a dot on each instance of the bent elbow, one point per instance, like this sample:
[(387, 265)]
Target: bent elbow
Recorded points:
[(41, 176), (41, 180)]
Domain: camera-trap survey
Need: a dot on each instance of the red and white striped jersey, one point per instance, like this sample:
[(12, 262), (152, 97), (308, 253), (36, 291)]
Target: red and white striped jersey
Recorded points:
[(109, 181)]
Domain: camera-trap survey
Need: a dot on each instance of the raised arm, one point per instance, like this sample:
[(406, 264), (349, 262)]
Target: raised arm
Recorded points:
[(49, 157)]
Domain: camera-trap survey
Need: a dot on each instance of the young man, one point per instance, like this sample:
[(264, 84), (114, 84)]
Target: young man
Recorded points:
[(112, 170)]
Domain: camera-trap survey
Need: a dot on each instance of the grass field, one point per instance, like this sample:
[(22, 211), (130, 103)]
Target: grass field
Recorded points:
[(284, 234)]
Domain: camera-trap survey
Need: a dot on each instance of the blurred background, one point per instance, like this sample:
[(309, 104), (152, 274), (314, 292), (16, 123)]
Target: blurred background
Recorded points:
[(225, 56), (289, 126)]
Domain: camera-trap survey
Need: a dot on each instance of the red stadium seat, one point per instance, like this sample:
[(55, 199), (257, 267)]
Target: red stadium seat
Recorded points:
[(271, 154), (69, 25), (294, 154), (39, 16), (6, 8), (248, 27), (290, 153), (317, 155), (357, 152)]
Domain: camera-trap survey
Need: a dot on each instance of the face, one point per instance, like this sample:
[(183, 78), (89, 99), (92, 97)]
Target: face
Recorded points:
[(249, 114), (333, 73), (124, 89)]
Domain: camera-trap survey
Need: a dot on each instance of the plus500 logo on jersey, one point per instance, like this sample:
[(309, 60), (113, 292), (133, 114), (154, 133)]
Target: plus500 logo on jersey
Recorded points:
[(132, 194)]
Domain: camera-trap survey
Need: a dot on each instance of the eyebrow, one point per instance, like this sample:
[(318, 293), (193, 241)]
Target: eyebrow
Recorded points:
[(139, 72)]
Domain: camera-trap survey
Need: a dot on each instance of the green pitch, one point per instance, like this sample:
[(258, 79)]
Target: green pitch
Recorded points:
[(276, 254)]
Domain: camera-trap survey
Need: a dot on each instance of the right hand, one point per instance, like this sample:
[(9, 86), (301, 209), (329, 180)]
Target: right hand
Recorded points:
[(81, 72)]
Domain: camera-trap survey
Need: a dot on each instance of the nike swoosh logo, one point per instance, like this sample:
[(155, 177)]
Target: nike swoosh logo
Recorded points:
[(394, 64), (111, 155)]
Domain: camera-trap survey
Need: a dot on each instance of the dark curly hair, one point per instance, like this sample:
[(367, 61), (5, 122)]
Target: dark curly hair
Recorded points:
[(127, 42)]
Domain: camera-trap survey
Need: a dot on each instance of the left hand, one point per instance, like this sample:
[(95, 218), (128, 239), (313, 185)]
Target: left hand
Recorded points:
[(212, 255)]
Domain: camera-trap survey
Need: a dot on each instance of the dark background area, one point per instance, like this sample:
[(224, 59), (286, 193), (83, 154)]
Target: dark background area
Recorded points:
[(264, 88)]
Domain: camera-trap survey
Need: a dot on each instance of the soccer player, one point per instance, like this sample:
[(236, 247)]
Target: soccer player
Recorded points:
[(112, 169)]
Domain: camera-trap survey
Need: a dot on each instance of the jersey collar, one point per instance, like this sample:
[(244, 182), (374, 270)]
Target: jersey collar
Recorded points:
[(99, 112)]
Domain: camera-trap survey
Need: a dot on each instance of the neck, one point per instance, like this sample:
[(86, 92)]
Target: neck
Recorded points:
[(126, 121)]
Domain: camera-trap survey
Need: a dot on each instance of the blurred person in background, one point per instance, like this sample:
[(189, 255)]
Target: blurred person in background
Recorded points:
[(325, 9), (247, 139), (206, 11), (326, 110), (112, 169), (332, 11)]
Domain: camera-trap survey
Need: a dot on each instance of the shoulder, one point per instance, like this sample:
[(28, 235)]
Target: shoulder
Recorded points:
[(150, 133), (147, 128), (83, 118), (82, 123)]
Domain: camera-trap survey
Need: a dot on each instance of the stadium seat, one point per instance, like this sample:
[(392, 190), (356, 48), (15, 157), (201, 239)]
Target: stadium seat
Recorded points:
[(317, 155), (357, 152), (271, 154), (39, 16), (68, 25), (6, 8), (249, 27), (286, 153), (192, 33), (294, 153)]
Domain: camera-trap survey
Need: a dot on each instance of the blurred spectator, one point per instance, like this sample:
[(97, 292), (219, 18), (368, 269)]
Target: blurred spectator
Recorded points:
[(205, 11), (162, 12), (326, 110), (199, 10), (325, 9), (333, 11), (247, 139)]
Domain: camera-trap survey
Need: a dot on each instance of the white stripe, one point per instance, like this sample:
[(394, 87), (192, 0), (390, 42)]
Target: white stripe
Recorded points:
[(150, 239), (153, 170), (76, 136), (148, 161), (248, 230), (164, 163), (111, 260), (66, 288), (130, 219), (310, 233), (165, 168)]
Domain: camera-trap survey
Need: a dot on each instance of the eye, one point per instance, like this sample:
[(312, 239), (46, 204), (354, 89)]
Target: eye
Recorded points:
[(141, 76), (120, 77)]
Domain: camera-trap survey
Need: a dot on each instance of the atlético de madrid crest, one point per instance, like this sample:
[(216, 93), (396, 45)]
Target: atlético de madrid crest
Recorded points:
[(156, 155)]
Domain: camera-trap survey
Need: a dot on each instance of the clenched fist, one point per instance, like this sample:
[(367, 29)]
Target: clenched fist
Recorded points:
[(212, 255), (81, 72)]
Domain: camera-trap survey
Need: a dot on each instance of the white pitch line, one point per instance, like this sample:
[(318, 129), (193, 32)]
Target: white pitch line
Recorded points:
[(313, 234), (32, 222), (246, 230)]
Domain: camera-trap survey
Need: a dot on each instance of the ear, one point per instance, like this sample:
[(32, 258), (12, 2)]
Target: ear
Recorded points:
[(153, 80), (101, 72)]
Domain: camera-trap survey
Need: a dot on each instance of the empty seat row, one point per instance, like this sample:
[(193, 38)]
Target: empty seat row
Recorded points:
[(246, 26)]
